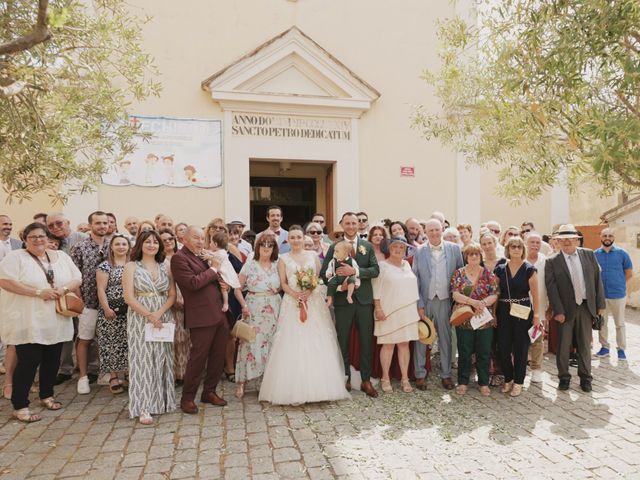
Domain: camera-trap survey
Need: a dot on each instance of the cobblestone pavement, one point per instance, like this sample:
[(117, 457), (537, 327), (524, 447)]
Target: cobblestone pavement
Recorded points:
[(433, 434)]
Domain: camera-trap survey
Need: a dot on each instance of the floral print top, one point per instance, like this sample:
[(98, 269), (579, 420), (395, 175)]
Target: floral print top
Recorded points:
[(486, 285)]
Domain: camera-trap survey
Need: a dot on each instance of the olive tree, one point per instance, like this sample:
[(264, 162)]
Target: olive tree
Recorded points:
[(542, 90), (69, 71)]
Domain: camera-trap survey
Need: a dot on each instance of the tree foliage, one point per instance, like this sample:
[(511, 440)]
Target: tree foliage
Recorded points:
[(68, 72), (542, 89)]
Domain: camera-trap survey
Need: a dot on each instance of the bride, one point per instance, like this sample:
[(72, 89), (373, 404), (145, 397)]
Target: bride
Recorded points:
[(304, 364)]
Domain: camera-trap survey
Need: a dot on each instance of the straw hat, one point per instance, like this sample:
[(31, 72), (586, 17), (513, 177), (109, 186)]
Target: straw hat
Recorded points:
[(426, 331), (567, 231), (461, 315)]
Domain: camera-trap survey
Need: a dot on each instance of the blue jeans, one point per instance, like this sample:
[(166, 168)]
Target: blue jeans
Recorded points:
[(439, 311)]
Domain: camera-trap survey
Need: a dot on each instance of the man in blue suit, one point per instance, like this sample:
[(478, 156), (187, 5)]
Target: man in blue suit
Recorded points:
[(433, 265)]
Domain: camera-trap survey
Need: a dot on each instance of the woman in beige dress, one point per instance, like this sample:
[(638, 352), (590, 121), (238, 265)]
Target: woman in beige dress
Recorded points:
[(395, 300)]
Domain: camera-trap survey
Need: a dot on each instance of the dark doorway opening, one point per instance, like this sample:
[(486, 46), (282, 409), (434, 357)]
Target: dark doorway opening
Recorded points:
[(296, 197)]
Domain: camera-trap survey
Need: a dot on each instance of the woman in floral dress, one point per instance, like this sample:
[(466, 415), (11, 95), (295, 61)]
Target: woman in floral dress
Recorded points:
[(260, 277), (111, 329)]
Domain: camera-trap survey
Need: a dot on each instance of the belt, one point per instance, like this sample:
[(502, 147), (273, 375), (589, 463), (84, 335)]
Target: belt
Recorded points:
[(514, 300), (262, 294), (147, 294)]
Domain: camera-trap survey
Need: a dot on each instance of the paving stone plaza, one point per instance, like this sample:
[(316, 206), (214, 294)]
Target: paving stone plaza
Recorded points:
[(433, 434)]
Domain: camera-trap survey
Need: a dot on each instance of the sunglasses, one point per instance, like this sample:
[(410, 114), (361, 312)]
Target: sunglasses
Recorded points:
[(524, 231), (363, 220), (516, 247), (314, 232), (267, 245), (496, 231)]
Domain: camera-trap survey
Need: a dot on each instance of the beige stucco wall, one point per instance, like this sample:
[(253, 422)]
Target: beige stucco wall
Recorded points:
[(386, 44)]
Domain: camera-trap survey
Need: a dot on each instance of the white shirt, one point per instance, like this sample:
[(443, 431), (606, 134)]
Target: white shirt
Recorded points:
[(580, 289)]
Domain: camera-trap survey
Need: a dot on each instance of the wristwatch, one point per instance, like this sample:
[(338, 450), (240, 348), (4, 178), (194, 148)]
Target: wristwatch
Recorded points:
[(38, 292)]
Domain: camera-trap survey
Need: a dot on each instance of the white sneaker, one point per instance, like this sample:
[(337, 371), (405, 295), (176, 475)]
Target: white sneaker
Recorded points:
[(536, 376), (83, 385)]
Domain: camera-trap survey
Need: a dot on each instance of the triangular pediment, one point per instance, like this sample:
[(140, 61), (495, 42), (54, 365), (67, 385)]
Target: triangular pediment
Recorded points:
[(291, 69)]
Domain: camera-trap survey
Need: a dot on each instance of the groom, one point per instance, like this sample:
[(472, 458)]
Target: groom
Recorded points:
[(361, 310)]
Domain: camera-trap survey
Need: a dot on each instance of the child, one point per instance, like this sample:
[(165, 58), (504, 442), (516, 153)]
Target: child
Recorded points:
[(341, 257), (218, 247)]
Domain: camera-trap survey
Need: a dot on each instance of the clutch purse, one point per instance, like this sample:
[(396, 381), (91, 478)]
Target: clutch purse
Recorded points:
[(69, 305), (519, 311), (244, 331)]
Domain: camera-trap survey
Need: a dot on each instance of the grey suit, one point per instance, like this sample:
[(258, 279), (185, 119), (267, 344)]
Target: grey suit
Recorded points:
[(578, 317), (438, 308)]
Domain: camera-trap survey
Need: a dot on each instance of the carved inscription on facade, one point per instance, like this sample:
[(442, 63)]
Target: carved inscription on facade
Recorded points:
[(266, 125)]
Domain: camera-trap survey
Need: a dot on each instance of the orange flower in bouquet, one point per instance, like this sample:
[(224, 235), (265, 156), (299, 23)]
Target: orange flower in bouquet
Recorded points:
[(307, 281)]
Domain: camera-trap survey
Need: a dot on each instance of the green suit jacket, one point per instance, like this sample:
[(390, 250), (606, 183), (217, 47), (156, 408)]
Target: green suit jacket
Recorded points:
[(368, 265)]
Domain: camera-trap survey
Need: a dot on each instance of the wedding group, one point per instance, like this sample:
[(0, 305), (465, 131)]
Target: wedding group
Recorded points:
[(165, 307)]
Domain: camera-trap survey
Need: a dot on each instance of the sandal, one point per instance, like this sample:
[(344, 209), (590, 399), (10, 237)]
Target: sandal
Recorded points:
[(35, 388), (461, 389), (485, 391), (406, 386), (145, 419), (231, 377), (114, 386), (506, 388), (50, 403), (240, 391), (516, 390), (125, 382), (25, 415), (7, 390), (386, 385)]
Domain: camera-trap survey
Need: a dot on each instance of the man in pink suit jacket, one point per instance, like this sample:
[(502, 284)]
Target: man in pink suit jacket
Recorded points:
[(195, 272)]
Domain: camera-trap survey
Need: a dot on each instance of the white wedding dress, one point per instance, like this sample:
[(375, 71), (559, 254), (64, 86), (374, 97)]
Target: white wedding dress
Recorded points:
[(305, 364)]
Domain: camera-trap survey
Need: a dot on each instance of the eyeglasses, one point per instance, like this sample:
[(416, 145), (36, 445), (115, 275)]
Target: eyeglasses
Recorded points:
[(58, 224), (267, 245), (314, 232), (363, 220), (36, 237)]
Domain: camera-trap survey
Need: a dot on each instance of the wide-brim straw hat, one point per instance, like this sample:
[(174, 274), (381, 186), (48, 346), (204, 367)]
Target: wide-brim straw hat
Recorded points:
[(426, 331), (461, 315)]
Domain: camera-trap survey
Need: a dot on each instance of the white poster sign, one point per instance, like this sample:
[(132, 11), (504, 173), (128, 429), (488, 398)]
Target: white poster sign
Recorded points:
[(181, 153)]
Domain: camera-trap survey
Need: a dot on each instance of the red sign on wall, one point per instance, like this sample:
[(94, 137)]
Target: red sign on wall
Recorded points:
[(407, 171)]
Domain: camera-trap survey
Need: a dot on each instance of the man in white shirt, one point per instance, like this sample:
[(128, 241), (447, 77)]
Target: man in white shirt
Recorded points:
[(534, 257), (274, 217)]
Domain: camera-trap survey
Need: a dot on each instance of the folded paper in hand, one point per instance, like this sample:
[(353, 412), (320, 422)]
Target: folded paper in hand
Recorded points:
[(479, 320), (535, 332), (164, 334)]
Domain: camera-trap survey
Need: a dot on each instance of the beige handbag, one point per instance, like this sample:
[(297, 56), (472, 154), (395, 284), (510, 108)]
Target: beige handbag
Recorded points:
[(243, 330)]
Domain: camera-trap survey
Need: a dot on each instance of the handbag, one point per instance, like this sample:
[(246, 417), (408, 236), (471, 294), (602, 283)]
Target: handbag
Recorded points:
[(119, 306), (597, 322), (69, 304), (515, 309), (243, 330)]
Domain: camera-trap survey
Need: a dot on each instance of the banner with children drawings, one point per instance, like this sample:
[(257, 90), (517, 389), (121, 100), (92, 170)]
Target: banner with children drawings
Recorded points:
[(181, 153)]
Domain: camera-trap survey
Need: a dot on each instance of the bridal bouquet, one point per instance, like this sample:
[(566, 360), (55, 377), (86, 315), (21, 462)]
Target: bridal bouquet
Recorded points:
[(306, 280)]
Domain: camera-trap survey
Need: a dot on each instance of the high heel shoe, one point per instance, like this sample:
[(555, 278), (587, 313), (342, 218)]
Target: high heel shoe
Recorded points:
[(231, 377), (386, 386), (406, 386), (240, 391)]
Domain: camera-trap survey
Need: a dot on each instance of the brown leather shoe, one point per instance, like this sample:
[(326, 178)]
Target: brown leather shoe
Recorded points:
[(213, 399), (448, 384), (189, 406), (348, 386), (369, 389), (421, 384)]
